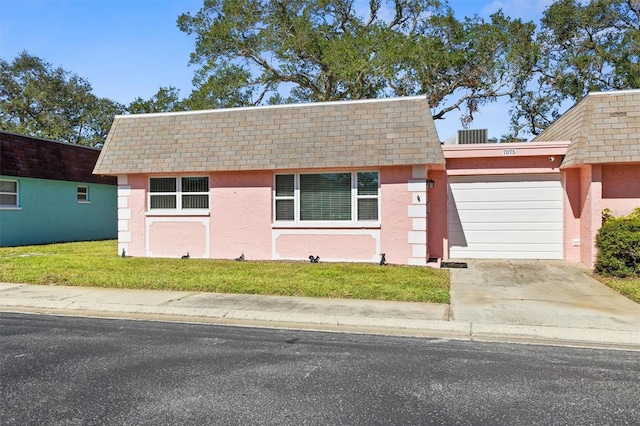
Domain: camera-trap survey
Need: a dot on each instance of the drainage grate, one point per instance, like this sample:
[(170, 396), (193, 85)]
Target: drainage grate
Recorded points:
[(454, 265)]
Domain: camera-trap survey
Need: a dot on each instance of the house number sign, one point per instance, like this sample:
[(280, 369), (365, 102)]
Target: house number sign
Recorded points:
[(510, 151)]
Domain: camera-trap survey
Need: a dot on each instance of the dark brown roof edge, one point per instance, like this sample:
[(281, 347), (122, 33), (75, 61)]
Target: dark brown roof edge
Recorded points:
[(39, 158)]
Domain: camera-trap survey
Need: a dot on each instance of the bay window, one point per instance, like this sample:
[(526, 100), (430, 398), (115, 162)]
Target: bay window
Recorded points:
[(346, 197)]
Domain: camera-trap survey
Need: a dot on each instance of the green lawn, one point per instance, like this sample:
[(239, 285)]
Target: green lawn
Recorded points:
[(96, 263), (629, 287)]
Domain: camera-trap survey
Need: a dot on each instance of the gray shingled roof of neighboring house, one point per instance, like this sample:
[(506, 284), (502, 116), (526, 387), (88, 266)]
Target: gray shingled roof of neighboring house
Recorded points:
[(603, 128), (395, 131)]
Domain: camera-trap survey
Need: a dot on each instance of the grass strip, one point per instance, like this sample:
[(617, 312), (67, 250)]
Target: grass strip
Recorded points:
[(97, 264), (628, 287)]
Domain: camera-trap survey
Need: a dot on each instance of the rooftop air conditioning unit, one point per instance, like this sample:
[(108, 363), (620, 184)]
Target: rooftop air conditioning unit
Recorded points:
[(466, 137)]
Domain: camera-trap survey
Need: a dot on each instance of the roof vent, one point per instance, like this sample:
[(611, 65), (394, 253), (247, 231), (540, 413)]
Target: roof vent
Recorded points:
[(474, 136)]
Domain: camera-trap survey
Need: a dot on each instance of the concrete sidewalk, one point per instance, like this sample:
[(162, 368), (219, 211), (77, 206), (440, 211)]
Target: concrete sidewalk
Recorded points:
[(546, 303)]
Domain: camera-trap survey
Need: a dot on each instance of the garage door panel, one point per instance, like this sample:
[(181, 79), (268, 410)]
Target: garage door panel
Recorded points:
[(515, 252), (492, 237), (508, 204), (505, 227), (522, 217), (482, 195), (524, 180), (506, 216)]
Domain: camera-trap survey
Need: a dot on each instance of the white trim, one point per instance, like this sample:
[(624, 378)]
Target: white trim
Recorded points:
[(86, 199), (417, 210), (178, 193), (419, 251), (123, 225), (124, 214), (179, 213), (276, 233), (177, 219), (616, 92), (15, 206), (417, 213), (326, 225), (261, 107), (123, 202), (123, 246), (417, 185), (417, 237), (419, 198), (419, 224), (123, 179), (419, 172), (124, 237), (297, 223), (124, 191)]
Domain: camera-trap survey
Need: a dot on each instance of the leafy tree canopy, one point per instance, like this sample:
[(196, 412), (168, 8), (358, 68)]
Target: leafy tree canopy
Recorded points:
[(39, 100), (584, 46), (166, 99), (281, 51)]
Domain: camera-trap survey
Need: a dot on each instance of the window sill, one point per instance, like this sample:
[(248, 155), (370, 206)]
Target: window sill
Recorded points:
[(10, 208), (84, 202), (326, 225), (181, 213)]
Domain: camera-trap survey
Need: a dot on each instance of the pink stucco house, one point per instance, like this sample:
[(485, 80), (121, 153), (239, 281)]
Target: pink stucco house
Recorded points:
[(348, 181)]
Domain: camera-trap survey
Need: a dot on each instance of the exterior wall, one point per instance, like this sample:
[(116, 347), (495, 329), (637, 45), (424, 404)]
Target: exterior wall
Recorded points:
[(573, 205), (241, 215), (437, 215), (240, 221), (590, 190), (401, 235), (131, 214), (591, 213), (621, 188), (49, 212), (404, 215)]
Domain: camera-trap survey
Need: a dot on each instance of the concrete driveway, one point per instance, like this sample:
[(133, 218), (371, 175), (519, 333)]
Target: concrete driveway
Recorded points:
[(538, 293)]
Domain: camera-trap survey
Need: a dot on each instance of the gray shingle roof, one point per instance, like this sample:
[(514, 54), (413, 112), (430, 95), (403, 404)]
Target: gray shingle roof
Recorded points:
[(371, 133), (603, 128)]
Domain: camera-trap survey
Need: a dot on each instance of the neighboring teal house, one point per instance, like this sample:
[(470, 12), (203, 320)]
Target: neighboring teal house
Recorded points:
[(48, 193)]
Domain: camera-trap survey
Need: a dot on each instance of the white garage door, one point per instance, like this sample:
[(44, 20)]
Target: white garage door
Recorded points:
[(505, 217)]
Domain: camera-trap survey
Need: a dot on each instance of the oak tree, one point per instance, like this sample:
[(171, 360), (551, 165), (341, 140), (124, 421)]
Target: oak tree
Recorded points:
[(280, 51), (584, 46), (39, 100)]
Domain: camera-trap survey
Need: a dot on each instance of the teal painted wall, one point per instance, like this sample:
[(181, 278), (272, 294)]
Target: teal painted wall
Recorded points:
[(49, 212)]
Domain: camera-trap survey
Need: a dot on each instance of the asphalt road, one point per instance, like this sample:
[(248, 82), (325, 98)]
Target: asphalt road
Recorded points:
[(86, 371)]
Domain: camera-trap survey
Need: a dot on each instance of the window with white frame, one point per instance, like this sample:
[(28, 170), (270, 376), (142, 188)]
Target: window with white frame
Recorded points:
[(179, 193), (8, 193), (327, 197), (82, 194)]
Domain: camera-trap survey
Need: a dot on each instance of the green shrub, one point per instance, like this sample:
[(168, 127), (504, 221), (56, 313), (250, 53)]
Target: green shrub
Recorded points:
[(618, 243)]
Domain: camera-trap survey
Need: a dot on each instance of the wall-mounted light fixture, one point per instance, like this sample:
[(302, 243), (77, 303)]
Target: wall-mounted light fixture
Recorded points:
[(430, 183)]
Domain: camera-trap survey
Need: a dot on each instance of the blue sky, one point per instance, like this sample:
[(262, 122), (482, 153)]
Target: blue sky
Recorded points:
[(129, 48)]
